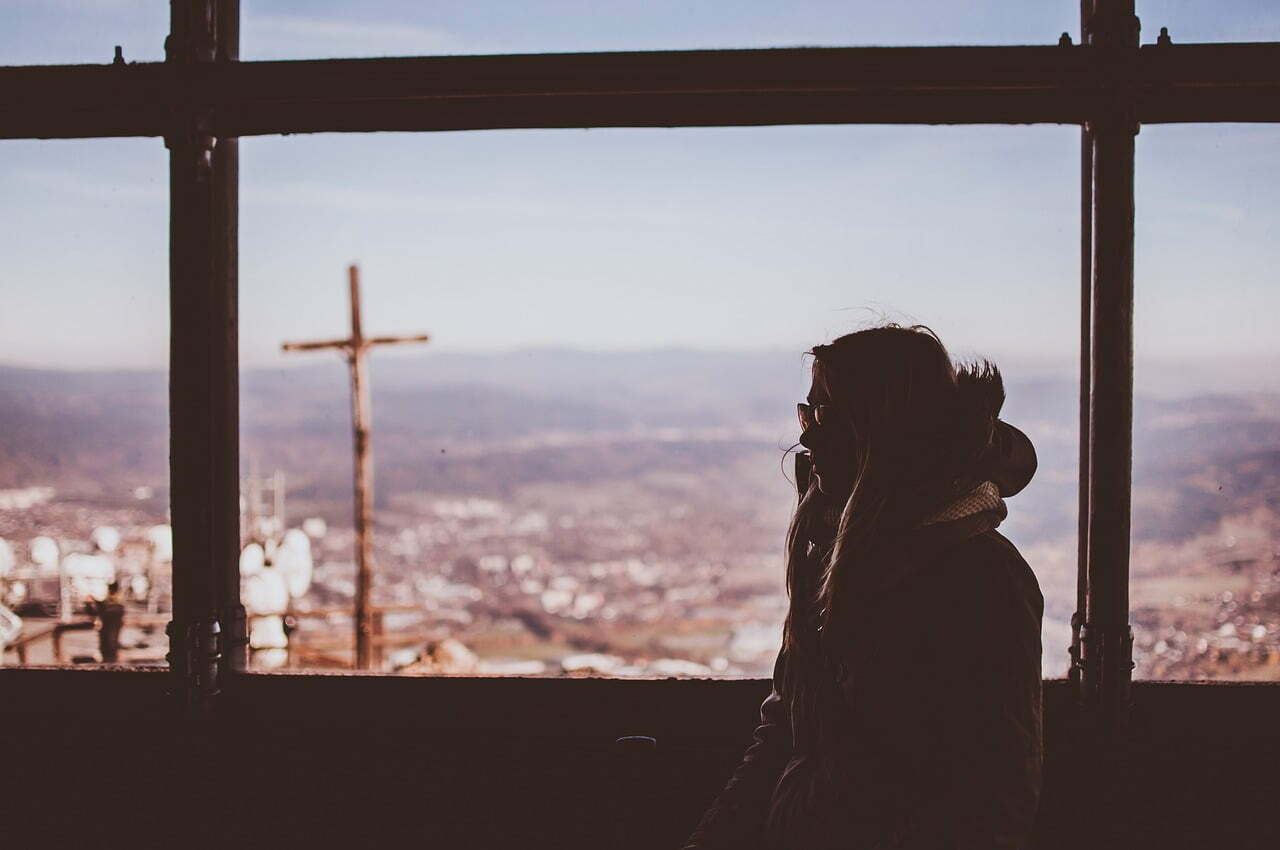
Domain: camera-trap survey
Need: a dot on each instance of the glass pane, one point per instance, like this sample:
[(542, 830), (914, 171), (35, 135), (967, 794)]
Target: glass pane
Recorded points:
[(1206, 536), (583, 470), (83, 402), (397, 28), (70, 32)]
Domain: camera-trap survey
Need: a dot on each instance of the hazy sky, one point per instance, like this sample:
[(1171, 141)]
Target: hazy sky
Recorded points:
[(720, 238)]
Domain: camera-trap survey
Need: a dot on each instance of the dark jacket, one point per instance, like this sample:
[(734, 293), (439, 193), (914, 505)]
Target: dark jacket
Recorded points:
[(937, 707), (941, 721)]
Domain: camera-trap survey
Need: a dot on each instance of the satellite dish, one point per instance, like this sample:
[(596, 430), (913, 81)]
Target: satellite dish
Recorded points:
[(106, 538), (265, 593), (267, 633), (10, 626), (270, 659), (7, 559), (44, 553), (161, 539), (293, 560), (252, 560), (88, 575), (296, 539), (89, 567)]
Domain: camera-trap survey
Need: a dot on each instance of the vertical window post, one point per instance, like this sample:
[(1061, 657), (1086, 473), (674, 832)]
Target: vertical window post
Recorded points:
[(207, 631), (1086, 367), (226, 263), (1106, 639)]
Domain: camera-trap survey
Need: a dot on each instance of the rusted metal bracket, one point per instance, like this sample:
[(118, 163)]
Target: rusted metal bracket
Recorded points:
[(190, 137), (193, 36), (1106, 663), (1075, 672), (194, 653), (235, 637), (1109, 23)]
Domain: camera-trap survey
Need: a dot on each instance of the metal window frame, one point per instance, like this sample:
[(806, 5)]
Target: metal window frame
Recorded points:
[(202, 98)]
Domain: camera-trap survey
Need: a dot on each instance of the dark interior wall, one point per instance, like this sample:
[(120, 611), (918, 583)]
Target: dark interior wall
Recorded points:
[(100, 758)]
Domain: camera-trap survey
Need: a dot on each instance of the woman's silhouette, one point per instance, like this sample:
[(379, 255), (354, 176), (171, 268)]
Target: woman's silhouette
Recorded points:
[(906, 702)]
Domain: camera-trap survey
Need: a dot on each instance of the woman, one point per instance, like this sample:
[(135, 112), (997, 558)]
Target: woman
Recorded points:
[(905, 709)]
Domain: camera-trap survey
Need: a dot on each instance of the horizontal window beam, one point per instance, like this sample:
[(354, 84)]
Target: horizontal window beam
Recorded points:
[(872, 85)]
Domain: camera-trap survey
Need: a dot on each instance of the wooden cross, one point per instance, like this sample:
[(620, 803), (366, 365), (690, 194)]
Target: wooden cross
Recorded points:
[(354, 347)]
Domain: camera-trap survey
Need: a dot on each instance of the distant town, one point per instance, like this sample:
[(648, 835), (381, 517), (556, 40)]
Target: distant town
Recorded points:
[(603, 546)]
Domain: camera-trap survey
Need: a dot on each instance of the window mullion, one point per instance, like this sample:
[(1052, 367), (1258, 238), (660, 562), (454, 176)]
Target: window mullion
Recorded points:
[(1106, 639), (1086, 368), (207, 631)]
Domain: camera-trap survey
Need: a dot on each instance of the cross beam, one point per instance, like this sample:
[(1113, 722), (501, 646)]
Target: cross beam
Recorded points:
[(861, 85), (354, 348)]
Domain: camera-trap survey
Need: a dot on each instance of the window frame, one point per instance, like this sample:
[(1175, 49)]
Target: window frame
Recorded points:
[(201, 99)]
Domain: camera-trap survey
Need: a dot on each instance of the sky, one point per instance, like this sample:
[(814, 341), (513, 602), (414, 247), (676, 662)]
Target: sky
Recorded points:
[(722, 238)]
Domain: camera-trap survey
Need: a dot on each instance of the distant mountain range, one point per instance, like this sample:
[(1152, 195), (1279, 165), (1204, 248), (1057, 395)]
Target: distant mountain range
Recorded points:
[(486, 423)]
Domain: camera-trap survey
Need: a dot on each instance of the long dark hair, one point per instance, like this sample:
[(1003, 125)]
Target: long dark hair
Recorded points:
[(916, 425)]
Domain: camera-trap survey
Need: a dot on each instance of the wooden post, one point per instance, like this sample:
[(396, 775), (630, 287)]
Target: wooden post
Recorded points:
[(355, 347), (363, 475)]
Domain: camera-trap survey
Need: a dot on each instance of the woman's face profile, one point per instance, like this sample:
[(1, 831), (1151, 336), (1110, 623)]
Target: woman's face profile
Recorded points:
[(830, 443)]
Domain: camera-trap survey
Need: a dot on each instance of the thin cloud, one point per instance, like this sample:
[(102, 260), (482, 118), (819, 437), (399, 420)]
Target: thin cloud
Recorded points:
[(551, 212), (84, 187), (87, 5)]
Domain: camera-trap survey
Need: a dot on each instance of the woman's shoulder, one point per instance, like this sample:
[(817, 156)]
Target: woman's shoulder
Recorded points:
[(984, 566), (988, 547)]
